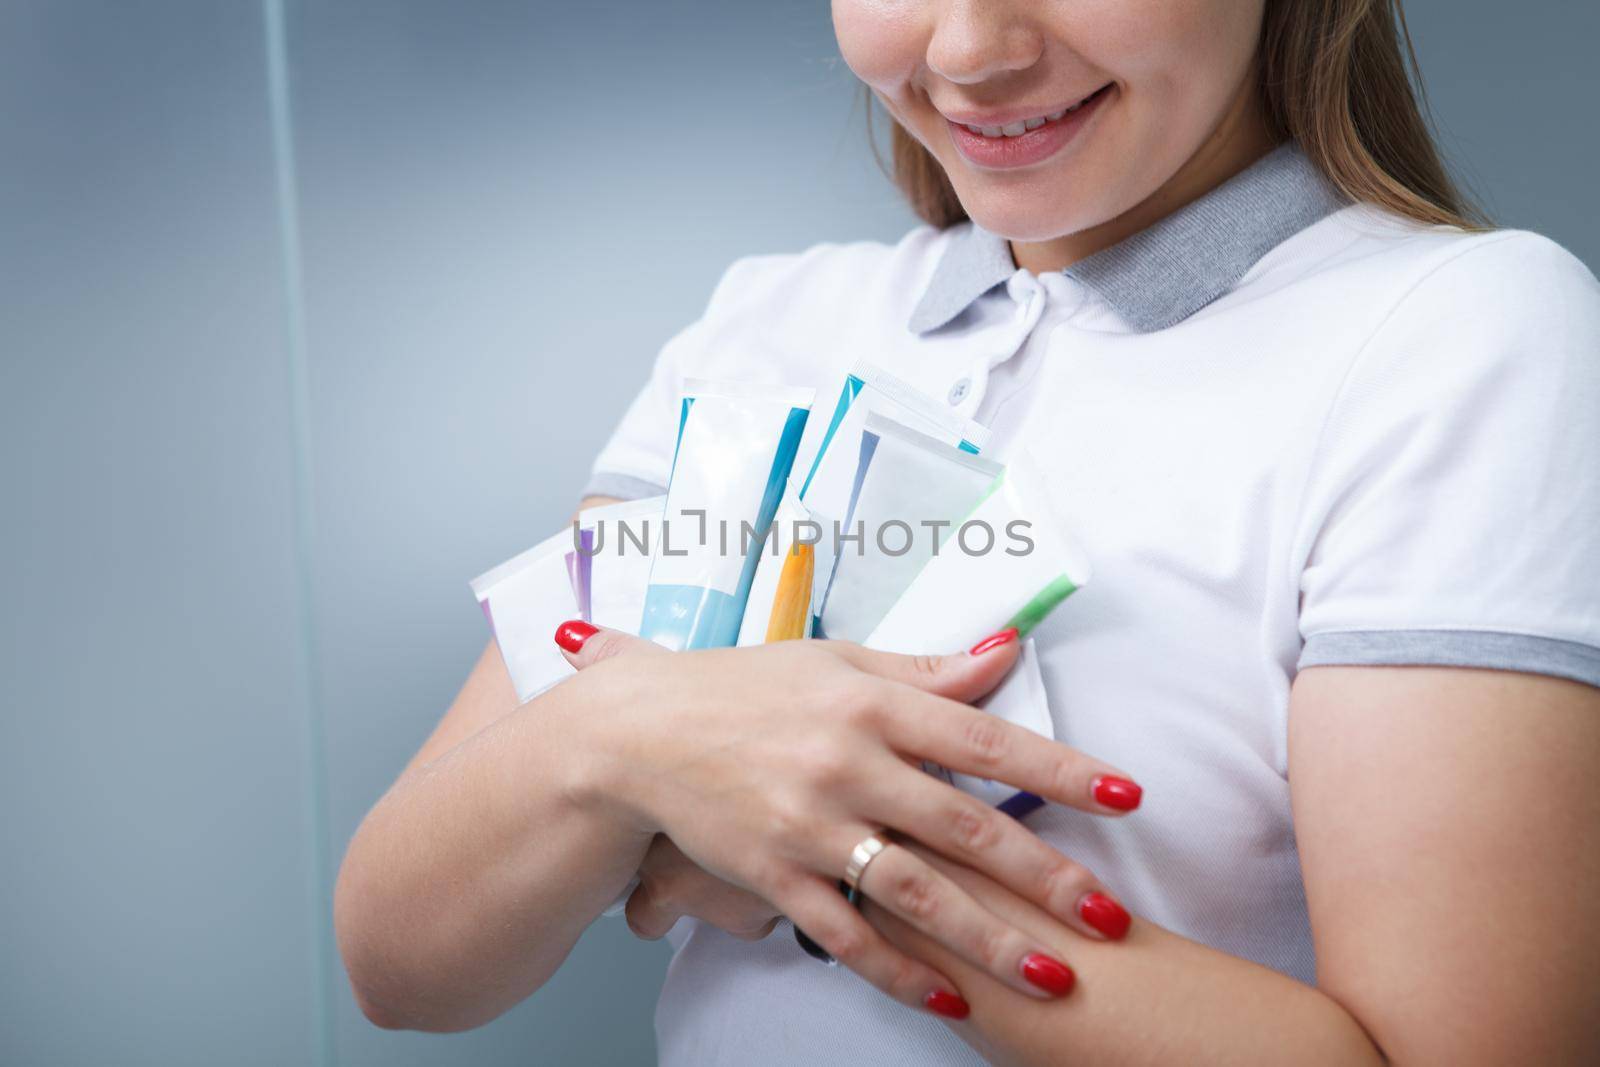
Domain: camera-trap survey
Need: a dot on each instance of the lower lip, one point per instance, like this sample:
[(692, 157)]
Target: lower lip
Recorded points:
[(1005, 153)]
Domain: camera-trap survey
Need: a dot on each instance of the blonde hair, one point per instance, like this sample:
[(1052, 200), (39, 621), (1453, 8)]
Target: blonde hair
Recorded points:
[(1338, 76)]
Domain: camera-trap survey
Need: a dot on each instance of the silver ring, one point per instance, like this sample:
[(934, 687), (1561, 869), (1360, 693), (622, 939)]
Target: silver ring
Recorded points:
[(864, 853)]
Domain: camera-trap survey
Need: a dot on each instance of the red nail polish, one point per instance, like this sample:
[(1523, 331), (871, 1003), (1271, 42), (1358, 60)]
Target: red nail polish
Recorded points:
[(1117, 793), (943, 1002), (1105, 915), (1050, 975), (571, 634), (994, 641)]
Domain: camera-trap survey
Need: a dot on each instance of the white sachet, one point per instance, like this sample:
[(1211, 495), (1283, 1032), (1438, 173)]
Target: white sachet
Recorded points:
[(525, 599)]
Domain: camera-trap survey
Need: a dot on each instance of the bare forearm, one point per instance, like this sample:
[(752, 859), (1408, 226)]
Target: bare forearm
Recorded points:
[(469, 883), (1158, 998), (1153, 998), (1418, 841)]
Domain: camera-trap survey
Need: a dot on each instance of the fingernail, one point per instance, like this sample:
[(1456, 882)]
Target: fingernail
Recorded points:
[(1105, 915), (994, 641), (943, 1002), (571, 634), (1117, 793), (1050, 975)]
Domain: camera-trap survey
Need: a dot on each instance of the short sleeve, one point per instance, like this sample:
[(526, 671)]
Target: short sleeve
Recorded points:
[(1452, 512)]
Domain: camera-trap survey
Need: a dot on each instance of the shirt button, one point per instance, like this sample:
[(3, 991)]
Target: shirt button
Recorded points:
[(959, 391)]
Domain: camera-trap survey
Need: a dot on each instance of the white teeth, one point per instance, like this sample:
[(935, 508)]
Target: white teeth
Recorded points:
[(1016, 129)]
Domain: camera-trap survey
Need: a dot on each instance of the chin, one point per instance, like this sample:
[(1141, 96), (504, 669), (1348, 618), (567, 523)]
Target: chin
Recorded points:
[(1018, 216), (1050, 205)]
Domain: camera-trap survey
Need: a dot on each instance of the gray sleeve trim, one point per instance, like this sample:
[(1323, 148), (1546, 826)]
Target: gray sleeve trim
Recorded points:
[(621, 486), (1454, 648)]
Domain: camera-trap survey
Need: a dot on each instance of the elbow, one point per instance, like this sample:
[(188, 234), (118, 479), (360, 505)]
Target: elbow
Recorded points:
[(368, 987), (385, 978), (383, 1014), (359, 944), (384, 1017), (377, 1014), (381, 997)]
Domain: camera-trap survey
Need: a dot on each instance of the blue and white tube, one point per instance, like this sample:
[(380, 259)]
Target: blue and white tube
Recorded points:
[(736, 446)]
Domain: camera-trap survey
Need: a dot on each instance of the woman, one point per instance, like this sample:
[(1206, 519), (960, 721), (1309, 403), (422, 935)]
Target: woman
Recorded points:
[(1332, 452)]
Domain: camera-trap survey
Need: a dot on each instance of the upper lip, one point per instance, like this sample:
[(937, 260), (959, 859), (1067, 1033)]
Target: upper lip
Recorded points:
[(1012, 114)]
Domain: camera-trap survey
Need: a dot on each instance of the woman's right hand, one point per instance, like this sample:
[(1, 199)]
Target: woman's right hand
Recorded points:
[(767, 765)]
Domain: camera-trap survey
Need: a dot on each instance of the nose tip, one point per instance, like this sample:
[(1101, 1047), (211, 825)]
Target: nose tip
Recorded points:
[(971, 46)]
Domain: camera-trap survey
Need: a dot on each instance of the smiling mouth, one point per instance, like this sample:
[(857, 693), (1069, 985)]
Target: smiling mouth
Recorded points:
[(1017, 129)]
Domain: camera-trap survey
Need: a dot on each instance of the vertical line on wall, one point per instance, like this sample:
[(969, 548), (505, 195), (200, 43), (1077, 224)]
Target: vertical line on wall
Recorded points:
[(320, 888)]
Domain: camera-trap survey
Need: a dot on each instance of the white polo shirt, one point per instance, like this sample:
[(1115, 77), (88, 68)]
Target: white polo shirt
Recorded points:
[(1287, 431)]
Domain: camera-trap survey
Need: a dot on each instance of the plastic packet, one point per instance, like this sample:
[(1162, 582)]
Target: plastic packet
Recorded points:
[(910, 489), (736, 445), (621, 536), (830, 456), (525, 599), (779, 606)]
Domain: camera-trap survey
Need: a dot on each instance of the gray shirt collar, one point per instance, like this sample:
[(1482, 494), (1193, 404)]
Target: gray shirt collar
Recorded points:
[(1168, 271)]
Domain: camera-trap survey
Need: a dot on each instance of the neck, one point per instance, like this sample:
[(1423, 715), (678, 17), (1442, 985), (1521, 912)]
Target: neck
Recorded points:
[(1239, 140)]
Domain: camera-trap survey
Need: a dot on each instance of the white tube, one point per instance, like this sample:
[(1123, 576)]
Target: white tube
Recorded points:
[(827, 473), (961, 596), (1019, 699), (736, 445), (830, 453), (909, 489)]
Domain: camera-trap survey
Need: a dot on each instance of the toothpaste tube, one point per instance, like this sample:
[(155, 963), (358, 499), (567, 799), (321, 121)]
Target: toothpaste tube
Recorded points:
[(829, 474), (736, 445), (524, 600), (910, 490), (1020, 699), (620, 540), (779, 607), (830, 455), (1010, 562)]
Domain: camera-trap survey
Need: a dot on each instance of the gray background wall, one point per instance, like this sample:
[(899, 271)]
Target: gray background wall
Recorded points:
[(310, 313)]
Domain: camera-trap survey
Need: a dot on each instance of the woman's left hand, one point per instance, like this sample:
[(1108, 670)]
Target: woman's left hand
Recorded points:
[(985, 891), (1004, 1029), (672, 886)]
